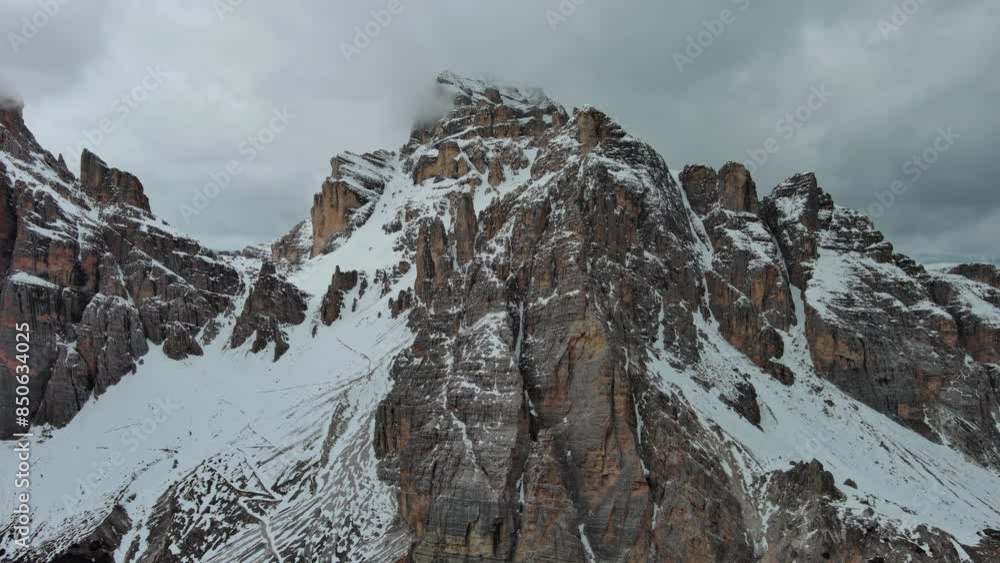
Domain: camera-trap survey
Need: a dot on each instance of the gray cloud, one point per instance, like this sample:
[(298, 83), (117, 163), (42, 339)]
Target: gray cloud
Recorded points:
[(225, 73), (9, 95)]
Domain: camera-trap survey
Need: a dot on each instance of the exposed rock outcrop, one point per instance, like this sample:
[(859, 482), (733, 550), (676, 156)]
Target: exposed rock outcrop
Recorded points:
[(101, 544), (294, 247), (532, 333), (987, 274), (272, 304), (354, 182), (482, 140), (809, 527), (401, 303), (109, 186), (447, 162), (875, 327), (559, 308), (550, 350), (95, 275), (748, 290), (971, 295), (333, 300)]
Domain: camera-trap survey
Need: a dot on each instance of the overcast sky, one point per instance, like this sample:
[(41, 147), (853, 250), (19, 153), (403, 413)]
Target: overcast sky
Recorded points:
[(182, 83)]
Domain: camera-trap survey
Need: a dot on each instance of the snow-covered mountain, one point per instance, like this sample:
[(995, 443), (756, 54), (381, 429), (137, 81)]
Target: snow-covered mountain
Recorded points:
[(518, 337)]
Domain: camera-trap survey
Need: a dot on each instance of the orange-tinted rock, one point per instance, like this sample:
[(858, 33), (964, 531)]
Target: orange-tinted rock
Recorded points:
[(95, 274), (466, 228), (548, 402), (331, 213), (748, 292), (354, 182), (448, 163), (882, 328)]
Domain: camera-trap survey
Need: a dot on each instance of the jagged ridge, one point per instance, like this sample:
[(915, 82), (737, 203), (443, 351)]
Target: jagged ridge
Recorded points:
[(598, 364)]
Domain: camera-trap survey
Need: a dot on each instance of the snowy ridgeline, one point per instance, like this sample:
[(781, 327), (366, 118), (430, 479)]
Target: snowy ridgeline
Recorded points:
[(252, 451)]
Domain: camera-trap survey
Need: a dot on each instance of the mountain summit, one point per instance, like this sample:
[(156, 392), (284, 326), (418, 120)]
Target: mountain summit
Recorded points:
[(517, 337)]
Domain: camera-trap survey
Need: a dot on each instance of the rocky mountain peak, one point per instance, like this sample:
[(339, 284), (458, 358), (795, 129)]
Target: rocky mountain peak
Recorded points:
[(110, 186), (103, 276), (485, 109), (593, 126), (800, 198), (795, 211), (16, 139), (739, 193), (11, 114), (731, 188), (18, 143), (987, 274), (516, 338), (355, 182), (472, 90), (479, 139), (366, 169)]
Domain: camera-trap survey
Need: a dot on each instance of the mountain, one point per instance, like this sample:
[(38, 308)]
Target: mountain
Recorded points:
[(97, 276), (518, 337)]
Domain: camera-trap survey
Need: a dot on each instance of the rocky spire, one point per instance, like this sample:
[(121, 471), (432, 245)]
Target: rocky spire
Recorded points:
[(483, 108), (110, 186)]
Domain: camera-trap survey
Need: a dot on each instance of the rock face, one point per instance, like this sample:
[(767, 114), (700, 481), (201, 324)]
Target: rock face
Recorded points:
[(354, 182), (272, 304), (532, 451), (333, 300), (529, 342), (528, 455), (109, 186), (295, 247), (401, 303), (809, 527), (876, 328), (101, 544), (971, 294), (986, 274), (95, 275), (748, 292)]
